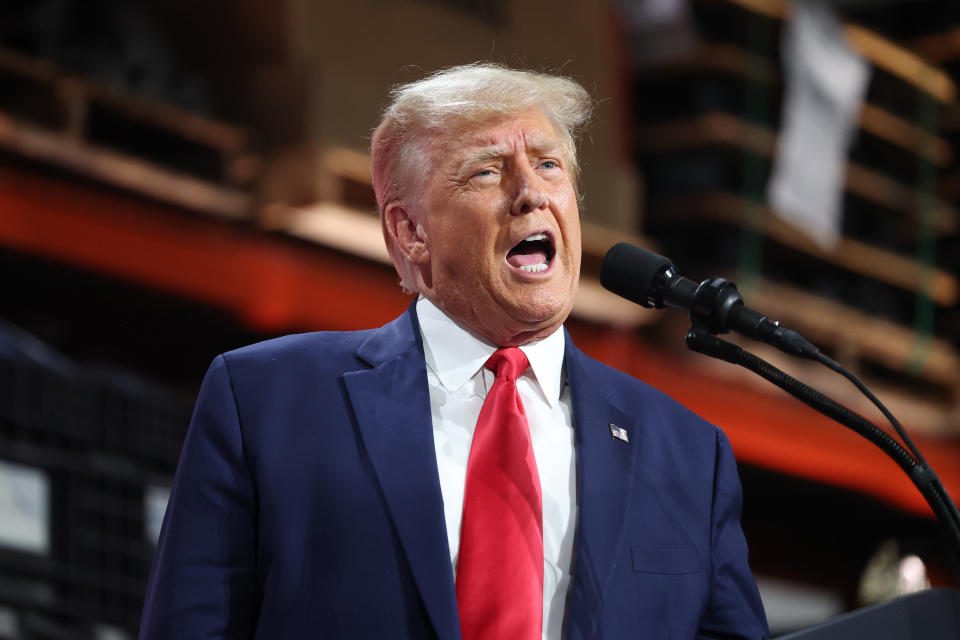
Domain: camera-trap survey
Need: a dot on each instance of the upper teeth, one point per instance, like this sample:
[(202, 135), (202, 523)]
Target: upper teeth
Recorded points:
[(535, 237)]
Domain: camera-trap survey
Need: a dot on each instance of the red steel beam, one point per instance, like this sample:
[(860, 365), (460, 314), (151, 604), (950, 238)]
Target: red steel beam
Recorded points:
[(271, 282)]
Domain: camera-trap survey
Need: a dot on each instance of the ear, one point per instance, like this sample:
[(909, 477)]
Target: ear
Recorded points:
[(408, 235)]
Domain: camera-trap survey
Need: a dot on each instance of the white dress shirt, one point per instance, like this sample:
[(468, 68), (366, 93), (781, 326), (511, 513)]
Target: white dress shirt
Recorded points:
[(458, 386)]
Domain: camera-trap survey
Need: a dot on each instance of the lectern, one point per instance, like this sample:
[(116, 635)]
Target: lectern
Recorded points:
[(927, 615)]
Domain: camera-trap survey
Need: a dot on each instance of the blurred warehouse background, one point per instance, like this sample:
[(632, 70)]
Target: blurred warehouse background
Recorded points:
[(180, 178)]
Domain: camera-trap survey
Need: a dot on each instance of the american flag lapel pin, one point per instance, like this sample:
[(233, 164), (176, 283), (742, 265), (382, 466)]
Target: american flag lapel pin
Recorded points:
[(619, 433)]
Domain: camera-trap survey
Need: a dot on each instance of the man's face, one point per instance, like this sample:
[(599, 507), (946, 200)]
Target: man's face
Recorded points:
[(501, 228)]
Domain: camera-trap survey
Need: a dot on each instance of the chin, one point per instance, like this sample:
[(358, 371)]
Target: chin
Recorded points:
[(543, 310)]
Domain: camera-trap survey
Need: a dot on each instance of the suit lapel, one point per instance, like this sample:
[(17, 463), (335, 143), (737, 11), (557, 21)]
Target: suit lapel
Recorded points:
[(604, 487), (391, 402)]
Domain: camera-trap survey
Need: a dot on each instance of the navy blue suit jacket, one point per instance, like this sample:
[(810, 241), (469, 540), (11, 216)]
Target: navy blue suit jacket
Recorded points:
[(307, 504)]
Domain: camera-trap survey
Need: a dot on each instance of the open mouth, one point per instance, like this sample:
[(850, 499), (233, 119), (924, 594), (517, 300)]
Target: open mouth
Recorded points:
[(533, 254)]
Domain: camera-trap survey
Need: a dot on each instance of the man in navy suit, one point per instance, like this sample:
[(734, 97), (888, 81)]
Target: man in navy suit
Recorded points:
[(321, 488)]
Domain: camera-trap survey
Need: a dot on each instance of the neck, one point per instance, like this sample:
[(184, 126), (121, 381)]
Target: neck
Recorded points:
[(497, 335)]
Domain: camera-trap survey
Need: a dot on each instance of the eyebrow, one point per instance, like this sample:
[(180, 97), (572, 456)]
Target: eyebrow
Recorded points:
[(485, 154), (539, 145)]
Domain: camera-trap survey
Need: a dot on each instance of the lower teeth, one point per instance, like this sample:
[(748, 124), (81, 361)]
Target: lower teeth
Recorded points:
[(534, 268)]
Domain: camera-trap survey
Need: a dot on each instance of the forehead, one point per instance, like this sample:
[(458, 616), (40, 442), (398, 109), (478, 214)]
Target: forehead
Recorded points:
[(528, 130)]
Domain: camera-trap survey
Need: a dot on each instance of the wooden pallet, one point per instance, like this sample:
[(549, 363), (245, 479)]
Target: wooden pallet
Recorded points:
[(882, 53), (724, 129), (896, 347), (861, 258), (93, 130), (714, 57)]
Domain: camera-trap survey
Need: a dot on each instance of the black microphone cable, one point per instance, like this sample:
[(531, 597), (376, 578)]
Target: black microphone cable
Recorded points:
[(921, 461)]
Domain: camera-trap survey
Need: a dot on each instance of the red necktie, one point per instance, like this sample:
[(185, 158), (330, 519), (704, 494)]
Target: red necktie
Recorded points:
[(500, 564)]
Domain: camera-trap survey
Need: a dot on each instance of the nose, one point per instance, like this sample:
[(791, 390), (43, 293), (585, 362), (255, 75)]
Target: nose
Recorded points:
[(530, 194)]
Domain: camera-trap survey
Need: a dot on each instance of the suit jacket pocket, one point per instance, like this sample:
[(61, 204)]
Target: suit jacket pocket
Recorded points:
[(676, 561)]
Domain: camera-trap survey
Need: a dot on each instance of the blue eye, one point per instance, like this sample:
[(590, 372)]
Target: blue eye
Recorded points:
[(549, 164)]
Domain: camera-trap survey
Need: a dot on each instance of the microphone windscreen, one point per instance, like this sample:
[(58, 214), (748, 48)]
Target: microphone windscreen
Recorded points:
[(629, 271)]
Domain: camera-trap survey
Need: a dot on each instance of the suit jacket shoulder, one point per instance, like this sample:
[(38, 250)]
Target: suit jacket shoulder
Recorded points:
[(339, 351), (316, 350)]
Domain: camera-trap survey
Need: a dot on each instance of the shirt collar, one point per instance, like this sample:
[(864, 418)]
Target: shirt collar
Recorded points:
[(455, 355)]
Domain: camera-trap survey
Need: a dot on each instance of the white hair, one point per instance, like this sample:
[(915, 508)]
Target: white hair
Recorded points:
[(454, 98)]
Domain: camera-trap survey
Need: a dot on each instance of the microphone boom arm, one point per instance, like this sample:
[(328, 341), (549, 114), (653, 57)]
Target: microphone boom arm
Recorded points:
[(699, 339)]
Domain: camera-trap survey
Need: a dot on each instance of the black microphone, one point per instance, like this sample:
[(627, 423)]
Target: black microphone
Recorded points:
[(652, 281)]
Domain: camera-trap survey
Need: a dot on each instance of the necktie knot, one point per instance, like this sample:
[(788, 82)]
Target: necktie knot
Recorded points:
[(508, 362)]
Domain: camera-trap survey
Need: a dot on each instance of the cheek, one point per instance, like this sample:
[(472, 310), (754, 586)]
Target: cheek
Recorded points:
[(463, 257), (477, 234), (569, 219), (565, 199)]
